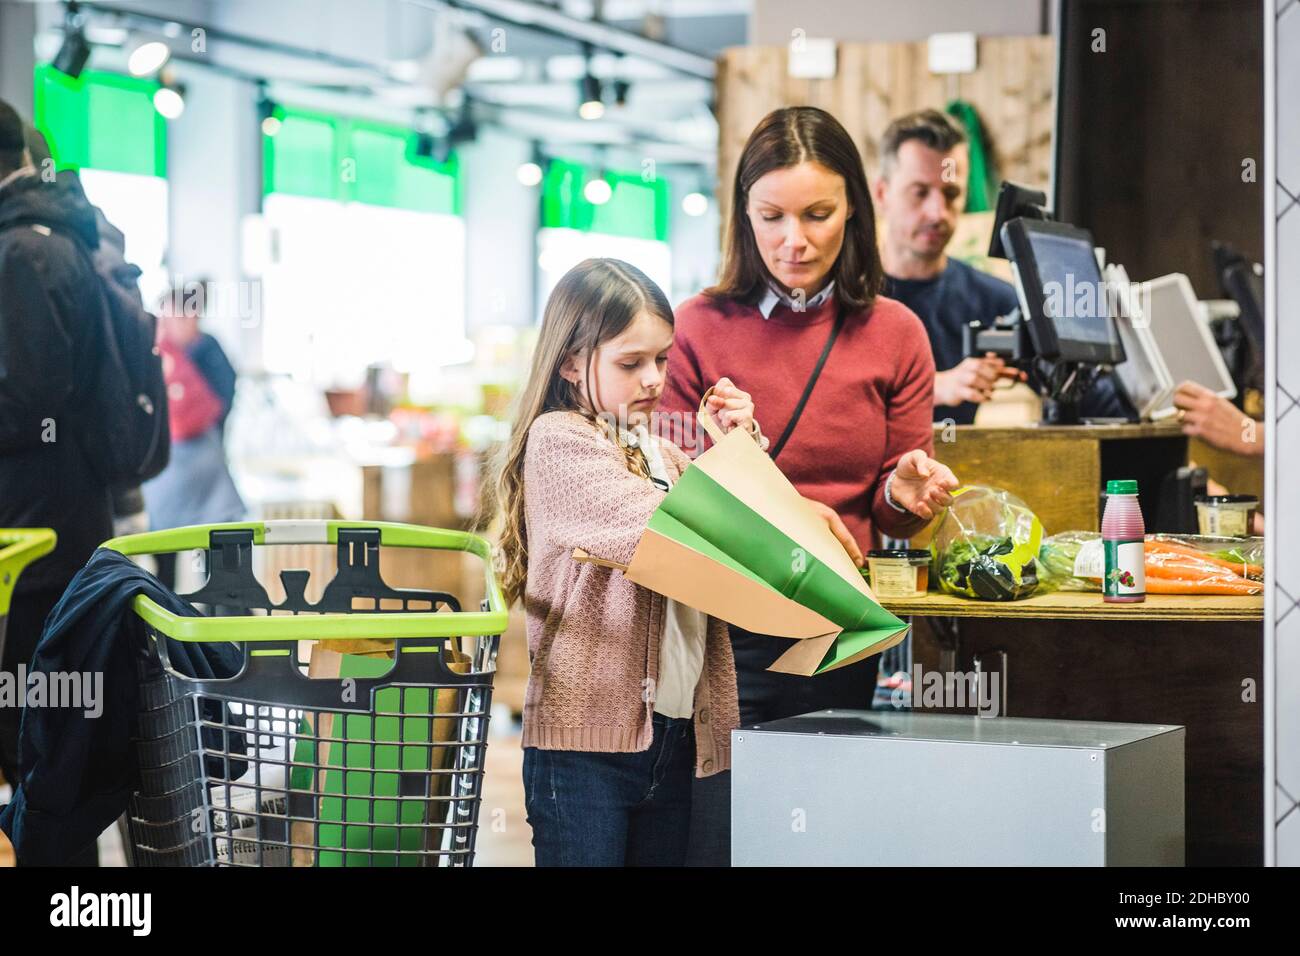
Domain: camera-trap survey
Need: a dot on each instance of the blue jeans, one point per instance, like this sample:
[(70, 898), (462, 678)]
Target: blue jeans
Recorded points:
[(600, 809)]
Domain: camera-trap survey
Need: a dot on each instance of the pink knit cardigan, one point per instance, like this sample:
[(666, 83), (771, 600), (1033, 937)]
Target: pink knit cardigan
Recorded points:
[(593, 635)]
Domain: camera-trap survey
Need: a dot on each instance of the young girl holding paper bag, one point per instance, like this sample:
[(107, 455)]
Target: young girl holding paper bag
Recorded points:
[(629, 691)]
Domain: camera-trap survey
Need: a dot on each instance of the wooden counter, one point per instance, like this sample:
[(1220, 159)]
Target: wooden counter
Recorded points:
[(1087, 606), (1175, 659)]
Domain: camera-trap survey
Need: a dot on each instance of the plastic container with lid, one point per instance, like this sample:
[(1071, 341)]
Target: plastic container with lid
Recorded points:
[(899, 572), (1228, 516), (1123, 535)]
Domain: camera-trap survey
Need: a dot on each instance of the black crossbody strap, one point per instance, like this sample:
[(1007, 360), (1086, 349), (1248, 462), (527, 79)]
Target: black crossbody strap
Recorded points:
[(812, 381)]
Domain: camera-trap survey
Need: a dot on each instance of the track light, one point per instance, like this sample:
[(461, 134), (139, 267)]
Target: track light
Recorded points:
[(267, 114), (148, 57), (169, 100), (75, 50), (529, 174), (621, 88), (463, 129), (532, 172), (592, 106), (695, 204), (597, 191)]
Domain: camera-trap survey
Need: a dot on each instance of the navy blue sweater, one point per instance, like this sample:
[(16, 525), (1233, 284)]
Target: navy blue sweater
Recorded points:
[(76, 772)]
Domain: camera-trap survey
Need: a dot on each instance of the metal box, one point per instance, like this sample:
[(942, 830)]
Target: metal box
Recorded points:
[(873, 788)]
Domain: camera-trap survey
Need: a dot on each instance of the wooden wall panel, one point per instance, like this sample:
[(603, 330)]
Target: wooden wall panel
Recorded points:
[(874, 82)]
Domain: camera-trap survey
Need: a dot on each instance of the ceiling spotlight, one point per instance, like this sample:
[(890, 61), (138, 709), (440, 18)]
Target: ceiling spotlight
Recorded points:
[(695, 204), (589, 92), (621, 88), (529, 174), (148, 58), (463, 129), (267, 112), (592, 108), (169, 101), (75, 51), (597, 191)]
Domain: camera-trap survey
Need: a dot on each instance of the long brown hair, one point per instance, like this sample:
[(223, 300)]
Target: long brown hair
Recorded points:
[(592, 303), (785, 138)]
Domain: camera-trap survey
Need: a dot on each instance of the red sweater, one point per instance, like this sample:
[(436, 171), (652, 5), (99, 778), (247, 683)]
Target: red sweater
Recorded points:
[(873, 402)]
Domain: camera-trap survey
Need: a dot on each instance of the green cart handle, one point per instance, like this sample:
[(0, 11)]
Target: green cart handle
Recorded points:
[(320, 627), (19, 547)]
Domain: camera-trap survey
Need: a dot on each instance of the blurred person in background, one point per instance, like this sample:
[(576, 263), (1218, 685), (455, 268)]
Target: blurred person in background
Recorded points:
[(52, 326), (921, 195), (110, 260), (1222, 425), (196, 487)]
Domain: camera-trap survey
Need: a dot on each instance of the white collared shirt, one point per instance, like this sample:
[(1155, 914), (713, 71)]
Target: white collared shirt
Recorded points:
[(681, 646), (775, 296)]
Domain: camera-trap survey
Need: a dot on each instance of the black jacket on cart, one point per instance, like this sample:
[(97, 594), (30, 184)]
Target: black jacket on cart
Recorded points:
[(52, 326), (76, 772)]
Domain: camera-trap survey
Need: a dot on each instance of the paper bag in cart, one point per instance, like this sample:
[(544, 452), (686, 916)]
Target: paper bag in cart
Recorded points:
[(734, 539)]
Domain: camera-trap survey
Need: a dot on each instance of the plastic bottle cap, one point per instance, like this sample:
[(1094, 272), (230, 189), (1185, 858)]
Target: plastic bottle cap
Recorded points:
[(1123, 487)]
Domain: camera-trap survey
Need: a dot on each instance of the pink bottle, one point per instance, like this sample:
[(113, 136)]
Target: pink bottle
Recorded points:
[(1123, 536)]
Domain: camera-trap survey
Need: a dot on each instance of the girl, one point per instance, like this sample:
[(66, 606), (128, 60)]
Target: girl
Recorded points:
[(630, 693)]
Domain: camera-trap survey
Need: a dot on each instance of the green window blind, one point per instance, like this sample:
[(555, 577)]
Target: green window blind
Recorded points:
[(347, 160), (100, 121), (636, 208)]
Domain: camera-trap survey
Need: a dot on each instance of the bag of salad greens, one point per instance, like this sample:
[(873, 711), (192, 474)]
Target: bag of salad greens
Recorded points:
[(986, 546)]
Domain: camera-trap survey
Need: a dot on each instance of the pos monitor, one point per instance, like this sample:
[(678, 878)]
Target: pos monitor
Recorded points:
[(1061, 293)]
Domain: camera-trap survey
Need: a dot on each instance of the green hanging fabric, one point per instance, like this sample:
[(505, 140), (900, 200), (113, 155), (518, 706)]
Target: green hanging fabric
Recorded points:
[(982, 182)]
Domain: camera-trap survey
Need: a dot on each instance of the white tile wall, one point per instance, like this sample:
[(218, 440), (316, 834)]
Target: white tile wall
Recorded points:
[(1288, 83), (1288, 840), (1285, 434), (1288, 705), (1286, 523)]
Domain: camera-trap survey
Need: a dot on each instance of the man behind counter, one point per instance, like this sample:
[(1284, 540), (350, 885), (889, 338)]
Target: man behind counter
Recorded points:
[(921, 192)]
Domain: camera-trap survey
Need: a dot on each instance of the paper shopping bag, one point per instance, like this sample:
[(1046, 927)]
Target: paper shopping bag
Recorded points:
[(733, 538), (363, 756)]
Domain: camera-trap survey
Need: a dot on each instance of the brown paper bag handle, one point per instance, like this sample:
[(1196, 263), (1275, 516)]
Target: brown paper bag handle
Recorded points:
[(585, 558), (706, 420)]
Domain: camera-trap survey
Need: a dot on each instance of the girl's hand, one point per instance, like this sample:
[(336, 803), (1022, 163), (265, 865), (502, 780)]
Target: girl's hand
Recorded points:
[(921, 484), (838, 529), (731, 407)]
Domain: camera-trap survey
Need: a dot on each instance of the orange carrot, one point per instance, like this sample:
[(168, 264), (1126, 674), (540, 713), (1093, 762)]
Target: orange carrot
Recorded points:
[(1218, 586), (1177, 566), (1249, 570)]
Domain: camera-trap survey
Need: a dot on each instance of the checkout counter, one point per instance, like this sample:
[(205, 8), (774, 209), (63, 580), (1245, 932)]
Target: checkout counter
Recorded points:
[(1174, 679)]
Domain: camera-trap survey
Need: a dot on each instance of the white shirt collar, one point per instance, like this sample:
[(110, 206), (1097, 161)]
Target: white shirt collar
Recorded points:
[(775, 296)]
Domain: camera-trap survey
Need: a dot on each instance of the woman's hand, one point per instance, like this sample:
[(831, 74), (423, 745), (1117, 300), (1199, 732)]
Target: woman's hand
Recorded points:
[(731, 407), (838, 529), (921, 484), (1216, 421)]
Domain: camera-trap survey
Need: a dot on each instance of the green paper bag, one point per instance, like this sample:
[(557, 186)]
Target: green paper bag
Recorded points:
[(734, 539)]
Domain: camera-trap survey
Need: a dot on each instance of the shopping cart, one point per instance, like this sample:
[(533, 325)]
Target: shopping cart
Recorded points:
[(19, 547), (372, 757)]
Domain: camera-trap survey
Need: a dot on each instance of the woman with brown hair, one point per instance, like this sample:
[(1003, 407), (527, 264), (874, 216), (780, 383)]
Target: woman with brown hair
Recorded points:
[(798, 322)]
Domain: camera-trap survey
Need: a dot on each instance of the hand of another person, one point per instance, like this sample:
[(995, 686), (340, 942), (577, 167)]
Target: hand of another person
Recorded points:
[(1216, 421), (972, 380), (838, 529), (922, 485), (731, 407)]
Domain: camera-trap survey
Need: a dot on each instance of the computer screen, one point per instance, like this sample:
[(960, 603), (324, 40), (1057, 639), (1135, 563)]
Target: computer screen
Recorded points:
[(1073, 295), (1186, 343), (1064, 298)]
